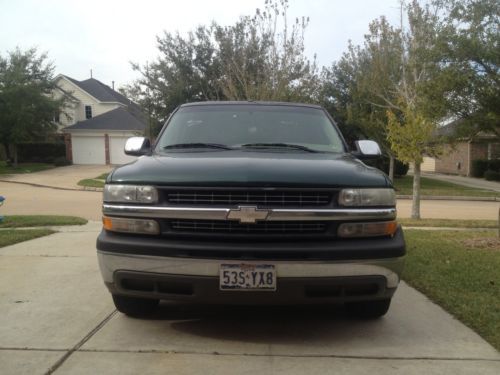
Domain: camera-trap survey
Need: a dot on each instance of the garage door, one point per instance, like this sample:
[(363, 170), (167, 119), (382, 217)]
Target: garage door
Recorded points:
[(88, 150), (116, 154)]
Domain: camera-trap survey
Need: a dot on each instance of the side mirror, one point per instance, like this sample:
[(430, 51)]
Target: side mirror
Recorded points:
[(367, 149), (137, 146)]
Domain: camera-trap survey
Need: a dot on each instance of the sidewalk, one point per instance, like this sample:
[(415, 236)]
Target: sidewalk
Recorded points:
[(477, 183)]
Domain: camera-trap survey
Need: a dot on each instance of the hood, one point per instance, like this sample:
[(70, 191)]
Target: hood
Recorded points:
[(233, 168)]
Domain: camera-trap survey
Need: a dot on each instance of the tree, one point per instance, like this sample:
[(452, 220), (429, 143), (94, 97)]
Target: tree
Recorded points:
[(261, 62), (250, 60), (471, 64), (360, 86), (413, 118), (410, 137), (394, 77), (27, 108), (187, 70)]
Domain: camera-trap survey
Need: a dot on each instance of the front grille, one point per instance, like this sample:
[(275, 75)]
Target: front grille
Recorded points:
[(261, 198), (266, 227)]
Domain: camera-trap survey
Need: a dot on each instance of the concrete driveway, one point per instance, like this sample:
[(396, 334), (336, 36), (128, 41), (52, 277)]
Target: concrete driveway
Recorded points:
[(57, 317)]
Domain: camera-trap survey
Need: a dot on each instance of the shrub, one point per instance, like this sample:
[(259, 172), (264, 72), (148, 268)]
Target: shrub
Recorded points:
[(400, 168), (3, 153), (61, 161), (479, 167), (494, 165), (492, 175), (40, 152)]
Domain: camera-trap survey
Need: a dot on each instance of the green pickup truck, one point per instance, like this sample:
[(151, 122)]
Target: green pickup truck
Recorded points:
[(250, 203)]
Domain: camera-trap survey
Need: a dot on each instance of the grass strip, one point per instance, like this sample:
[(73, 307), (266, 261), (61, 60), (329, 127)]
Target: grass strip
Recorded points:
[(449, 223), (12, 236), (429, 186), (20, 221), (91, 182), (102, 176)]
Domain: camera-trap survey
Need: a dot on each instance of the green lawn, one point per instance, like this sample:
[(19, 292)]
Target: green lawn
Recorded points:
[(24, 168), (449, 223), (404, 186), (91, 182), (102, 176), (12, 236), (460, 271), (19, 221), (96, 182)]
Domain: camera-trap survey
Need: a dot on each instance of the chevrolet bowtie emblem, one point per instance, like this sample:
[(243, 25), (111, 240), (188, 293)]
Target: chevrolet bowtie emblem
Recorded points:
[(247, 214)]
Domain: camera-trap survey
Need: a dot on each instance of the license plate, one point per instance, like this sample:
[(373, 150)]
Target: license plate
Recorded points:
[(247, 277)]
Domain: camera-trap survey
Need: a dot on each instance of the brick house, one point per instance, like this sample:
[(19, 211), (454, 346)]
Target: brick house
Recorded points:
[(458, 159), (97, 121)]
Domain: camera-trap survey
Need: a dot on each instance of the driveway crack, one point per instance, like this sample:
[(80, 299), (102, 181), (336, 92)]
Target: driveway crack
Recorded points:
[(63, 359), (339, 356)]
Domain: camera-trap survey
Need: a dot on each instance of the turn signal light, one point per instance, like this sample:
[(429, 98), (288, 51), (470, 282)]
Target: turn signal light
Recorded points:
[(384, 228), (139, 226)]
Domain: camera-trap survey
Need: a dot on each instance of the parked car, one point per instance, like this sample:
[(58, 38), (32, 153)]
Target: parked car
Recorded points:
[(250, 203)]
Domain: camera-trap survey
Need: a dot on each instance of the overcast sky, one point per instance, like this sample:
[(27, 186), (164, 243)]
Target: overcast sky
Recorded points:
[(105, 35)]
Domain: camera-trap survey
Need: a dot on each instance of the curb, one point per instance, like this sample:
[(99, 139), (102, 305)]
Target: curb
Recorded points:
[(85, 188), (448, 228), (451, 198), (88, 188)]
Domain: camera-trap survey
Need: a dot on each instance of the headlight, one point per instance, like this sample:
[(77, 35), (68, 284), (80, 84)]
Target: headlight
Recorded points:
[(141, 226), (367, 197), (130, 194)]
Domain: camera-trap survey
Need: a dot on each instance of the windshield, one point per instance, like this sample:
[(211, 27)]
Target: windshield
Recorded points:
[(251, 126)]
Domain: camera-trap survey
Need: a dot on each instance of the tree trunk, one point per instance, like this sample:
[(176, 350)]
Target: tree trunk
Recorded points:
[(415, 207), (391, 167)]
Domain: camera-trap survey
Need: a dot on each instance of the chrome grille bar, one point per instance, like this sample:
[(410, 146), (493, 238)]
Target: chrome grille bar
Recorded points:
[(275, 214)]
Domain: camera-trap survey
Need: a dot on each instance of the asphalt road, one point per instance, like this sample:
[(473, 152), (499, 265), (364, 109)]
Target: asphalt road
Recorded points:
[(56, 316)]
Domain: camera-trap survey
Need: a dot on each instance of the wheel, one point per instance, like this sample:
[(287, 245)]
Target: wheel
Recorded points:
[(369, 309), (134, 306)]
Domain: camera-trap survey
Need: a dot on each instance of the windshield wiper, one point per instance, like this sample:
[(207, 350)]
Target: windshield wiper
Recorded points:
[(197, 145), (278, 145)]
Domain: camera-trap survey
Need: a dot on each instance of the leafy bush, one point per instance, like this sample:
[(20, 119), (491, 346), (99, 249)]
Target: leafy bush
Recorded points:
[(494, 165), (479, 167), (400, 168), (492, 175), (3, 153), (41, 152), (61, 161)]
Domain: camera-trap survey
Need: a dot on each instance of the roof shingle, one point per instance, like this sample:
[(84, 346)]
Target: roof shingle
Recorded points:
[(116, 119)]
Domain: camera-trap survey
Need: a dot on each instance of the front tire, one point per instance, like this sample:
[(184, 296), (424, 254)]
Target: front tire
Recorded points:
[(369, 309), (134, 306)]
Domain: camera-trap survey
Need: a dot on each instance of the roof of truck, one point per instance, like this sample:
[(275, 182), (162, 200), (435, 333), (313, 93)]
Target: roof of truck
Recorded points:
[(246, 102)]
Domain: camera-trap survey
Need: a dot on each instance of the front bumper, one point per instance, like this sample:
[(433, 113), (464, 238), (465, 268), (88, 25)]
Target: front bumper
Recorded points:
[(337, 271)]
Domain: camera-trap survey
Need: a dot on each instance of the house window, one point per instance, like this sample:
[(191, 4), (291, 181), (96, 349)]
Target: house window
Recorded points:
[(88, 112)]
